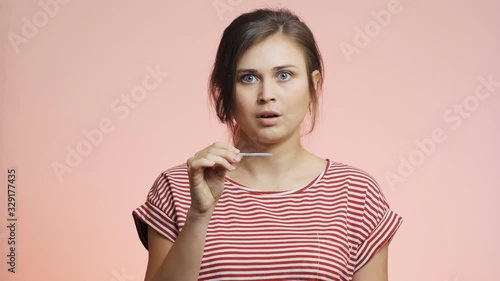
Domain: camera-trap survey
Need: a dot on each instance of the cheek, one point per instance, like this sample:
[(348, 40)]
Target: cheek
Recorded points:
[(244, 97), (240, 105), (299, 96)]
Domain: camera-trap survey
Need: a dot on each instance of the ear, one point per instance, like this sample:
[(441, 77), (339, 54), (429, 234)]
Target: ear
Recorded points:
[(315, 75)]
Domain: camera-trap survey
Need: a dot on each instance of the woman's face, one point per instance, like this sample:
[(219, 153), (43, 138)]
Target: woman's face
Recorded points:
[(272, 91)]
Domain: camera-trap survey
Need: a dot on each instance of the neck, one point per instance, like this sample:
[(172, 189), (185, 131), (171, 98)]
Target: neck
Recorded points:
[(285, 156)]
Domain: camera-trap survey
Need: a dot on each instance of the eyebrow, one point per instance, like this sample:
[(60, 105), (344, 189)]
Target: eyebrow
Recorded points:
[(249, 70)]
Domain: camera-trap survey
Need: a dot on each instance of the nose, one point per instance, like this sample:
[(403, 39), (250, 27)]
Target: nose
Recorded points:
[(267, 92)]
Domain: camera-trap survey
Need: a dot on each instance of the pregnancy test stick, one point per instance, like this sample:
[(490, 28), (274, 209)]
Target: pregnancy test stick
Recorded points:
[(256, 154)]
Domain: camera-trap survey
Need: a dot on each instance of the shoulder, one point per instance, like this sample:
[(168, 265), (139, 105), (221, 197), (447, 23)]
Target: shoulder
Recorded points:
[(170, 179), (177, 172), (353, 177), (350, 172)]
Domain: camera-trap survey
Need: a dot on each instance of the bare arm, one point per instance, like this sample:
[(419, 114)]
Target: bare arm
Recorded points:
[(159, 247), (376, 268), (180, 260)]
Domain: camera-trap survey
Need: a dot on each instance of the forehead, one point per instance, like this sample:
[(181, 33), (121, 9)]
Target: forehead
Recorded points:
[(273, 51)]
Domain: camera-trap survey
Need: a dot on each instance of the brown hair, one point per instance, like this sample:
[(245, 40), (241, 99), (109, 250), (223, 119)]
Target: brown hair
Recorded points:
[(245, 31)]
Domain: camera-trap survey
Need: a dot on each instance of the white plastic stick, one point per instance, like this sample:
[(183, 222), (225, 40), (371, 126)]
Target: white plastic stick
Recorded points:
[(256, 154)]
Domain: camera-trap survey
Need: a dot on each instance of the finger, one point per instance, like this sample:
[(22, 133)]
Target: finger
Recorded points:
[(196, 164), (218, 170), (225, 145), (219, 160), (211, 160), (229, 155)]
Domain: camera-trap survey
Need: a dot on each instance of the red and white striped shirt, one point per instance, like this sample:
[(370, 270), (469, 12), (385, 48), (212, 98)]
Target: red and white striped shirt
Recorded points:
[(326, 230)]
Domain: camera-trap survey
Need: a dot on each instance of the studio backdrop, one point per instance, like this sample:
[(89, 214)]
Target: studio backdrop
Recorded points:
[(99, 97)]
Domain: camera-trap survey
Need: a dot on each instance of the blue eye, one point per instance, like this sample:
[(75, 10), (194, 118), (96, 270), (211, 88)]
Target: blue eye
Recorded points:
[(248, 78), (283, 76)]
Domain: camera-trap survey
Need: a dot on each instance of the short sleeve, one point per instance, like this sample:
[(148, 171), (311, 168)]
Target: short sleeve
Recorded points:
[(158, 212), (379, 224)]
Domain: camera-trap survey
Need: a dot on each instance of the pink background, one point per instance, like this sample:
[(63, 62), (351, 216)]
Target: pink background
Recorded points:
[(377, 105)]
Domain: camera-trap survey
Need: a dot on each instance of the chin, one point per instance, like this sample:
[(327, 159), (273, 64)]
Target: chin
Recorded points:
[(270, 137)]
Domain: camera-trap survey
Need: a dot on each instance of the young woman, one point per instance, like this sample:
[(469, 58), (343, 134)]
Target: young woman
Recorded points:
[(290, 216)]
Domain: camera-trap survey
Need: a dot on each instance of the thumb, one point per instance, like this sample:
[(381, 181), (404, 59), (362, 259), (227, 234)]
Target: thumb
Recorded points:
[(216, 172), (220, 171)]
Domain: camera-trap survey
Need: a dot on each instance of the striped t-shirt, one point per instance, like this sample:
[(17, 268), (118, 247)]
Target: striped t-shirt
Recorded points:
[(326, 230)]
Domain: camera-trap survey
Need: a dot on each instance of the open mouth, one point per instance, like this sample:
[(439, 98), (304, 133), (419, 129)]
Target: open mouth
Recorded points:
[(269, 116)]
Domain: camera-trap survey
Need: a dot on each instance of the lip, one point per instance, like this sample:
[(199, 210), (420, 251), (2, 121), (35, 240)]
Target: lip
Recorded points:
[(267, 122), (268, 112)]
